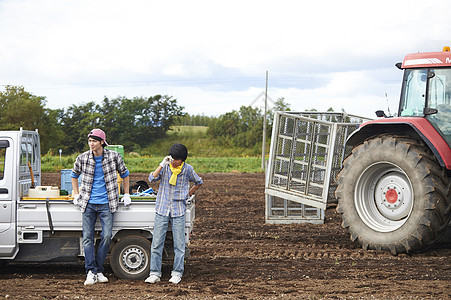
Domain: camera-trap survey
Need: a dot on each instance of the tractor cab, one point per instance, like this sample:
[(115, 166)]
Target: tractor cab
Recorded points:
[(426, 89)]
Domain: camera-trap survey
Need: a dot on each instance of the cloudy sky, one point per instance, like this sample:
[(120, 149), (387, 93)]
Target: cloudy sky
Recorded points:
[(212, 56)]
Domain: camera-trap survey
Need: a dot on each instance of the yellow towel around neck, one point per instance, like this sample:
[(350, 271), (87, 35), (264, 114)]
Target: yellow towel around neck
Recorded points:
[(175, 172)]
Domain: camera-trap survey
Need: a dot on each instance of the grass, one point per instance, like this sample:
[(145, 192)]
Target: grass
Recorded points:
[(52, 164), (200, 164), (188, 130)]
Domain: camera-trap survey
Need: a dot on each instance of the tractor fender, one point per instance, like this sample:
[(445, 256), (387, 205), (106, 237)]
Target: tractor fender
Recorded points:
[(414, 127)]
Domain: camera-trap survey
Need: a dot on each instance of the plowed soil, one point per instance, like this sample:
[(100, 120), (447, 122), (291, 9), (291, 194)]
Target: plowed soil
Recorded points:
[(235, 255)]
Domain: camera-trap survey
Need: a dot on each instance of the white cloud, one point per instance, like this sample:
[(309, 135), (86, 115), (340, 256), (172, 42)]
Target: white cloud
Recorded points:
[(212, 55)]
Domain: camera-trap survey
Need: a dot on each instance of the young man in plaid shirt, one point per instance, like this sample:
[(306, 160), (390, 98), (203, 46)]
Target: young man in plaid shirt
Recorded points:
[(174, 190), (98, 197)]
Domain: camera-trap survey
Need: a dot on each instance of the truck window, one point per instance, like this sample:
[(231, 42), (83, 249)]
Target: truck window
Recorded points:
[(23, 154), (2, 162), (30, 153)]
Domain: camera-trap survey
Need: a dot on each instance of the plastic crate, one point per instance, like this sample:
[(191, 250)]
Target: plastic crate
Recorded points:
[(118, 148), (66, 183)]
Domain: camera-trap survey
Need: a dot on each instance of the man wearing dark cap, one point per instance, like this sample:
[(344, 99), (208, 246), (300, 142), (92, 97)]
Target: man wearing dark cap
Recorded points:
[(173, 192), (98, 197)]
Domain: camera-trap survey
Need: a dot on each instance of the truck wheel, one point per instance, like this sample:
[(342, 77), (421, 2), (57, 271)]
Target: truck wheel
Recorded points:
[(392, 195), (130, 258)]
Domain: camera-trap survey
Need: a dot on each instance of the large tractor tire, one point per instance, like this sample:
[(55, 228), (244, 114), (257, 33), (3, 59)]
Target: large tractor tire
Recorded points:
[(393, 195)]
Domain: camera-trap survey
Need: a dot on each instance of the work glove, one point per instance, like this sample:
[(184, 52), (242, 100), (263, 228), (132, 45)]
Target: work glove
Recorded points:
[(76, 199), (126, 199), (166, 161)]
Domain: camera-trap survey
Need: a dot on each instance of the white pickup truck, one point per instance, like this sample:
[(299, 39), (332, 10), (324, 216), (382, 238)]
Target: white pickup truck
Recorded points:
[(38, 226)]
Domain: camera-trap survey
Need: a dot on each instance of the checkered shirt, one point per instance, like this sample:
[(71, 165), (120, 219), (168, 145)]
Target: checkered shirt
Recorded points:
[(171, 199), (111, 164)]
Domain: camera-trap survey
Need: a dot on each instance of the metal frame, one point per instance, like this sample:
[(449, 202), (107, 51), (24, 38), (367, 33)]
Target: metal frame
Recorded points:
[(307, 150)]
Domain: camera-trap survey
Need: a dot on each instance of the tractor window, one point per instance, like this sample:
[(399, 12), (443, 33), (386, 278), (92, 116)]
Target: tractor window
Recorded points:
[(413, 92), (439, 97)]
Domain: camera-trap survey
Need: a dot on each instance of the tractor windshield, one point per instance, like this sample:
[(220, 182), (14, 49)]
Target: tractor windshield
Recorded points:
[(413, 93)]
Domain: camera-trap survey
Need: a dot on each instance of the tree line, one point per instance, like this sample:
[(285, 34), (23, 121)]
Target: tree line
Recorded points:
[(134, 123)]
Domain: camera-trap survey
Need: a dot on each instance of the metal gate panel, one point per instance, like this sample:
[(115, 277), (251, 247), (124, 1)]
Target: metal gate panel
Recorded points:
[(286, 211), (307, 150)]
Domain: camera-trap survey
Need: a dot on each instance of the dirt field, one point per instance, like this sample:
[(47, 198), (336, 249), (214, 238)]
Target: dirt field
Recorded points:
[(235, 255)]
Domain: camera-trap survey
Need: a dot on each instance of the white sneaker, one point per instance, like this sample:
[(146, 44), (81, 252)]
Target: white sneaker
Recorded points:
[(175, 279), (91, 278), (152, 279), (101, 278)]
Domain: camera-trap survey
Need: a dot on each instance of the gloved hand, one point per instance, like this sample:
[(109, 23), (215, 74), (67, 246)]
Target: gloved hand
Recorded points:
[(126, 199), (76, 199), (166, 161)]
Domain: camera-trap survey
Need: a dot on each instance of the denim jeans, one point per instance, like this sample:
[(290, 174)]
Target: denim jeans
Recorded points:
[(159, 236), (95, 262)]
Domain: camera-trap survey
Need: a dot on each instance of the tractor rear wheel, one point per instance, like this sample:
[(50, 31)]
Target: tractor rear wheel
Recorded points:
[(393, 195)]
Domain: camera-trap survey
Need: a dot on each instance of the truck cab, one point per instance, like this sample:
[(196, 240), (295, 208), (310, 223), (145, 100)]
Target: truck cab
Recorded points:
[(17, 148)]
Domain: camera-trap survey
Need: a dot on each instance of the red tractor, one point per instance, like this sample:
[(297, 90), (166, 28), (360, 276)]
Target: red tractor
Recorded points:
[(394, 189)]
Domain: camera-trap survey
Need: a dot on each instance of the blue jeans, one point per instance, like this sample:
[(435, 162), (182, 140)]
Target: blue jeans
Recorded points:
[(95, 262), (159, 236)]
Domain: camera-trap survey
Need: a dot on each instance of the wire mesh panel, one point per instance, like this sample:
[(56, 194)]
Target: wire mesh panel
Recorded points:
[(307, 150), (286, 211)]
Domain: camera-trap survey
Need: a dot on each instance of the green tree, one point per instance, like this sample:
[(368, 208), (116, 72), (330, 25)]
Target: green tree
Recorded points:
[(19, 108), (164, 110), (76, 123), (193, 120), (279, 105), (133, 123), (242, 128)]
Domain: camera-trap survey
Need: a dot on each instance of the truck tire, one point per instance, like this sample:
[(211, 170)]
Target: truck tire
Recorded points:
[(130, 258), (393, 195)]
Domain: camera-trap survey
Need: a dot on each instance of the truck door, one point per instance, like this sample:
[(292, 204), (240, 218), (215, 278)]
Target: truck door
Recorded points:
[(7, 205)]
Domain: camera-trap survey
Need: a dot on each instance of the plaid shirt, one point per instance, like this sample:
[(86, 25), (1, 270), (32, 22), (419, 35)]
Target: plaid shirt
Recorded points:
[(111, 164), (171, 199)]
